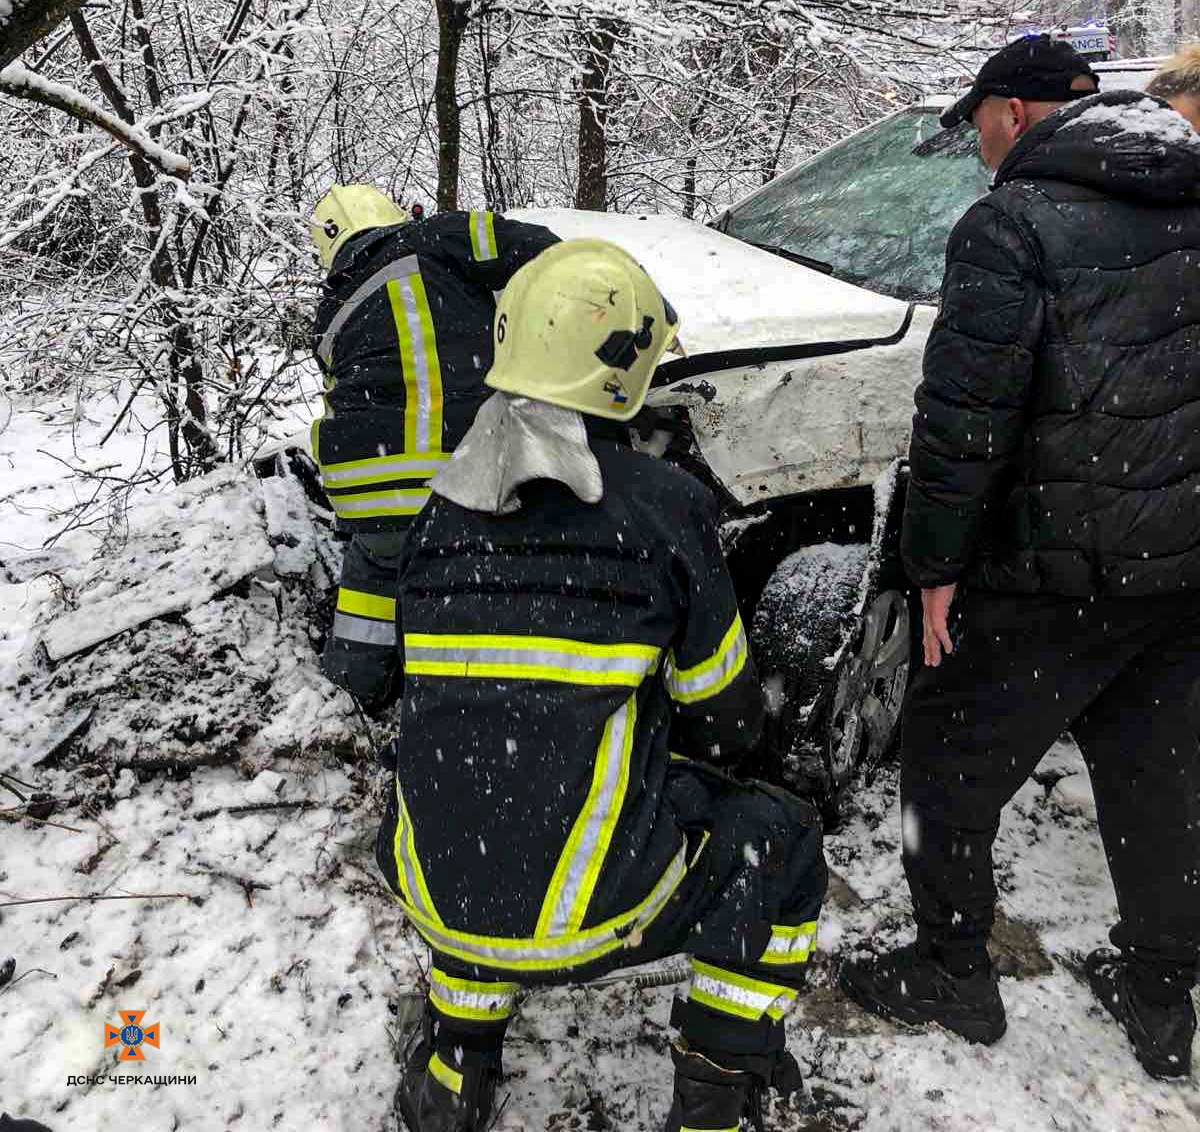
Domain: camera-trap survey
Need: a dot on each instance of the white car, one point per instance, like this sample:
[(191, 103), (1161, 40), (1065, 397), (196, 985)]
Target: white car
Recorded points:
[(804, 312)]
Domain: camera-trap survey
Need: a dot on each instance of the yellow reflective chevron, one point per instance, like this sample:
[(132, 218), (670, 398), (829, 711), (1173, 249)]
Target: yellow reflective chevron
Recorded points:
[(383, 469), (483, 235), (419, 362), (408, 864), (471, 1000), (790, 943), (363, 604), (579, 865), (451, 1078), (551, 953), (714, 674), (376, 504), (730, 992), (506, 657)]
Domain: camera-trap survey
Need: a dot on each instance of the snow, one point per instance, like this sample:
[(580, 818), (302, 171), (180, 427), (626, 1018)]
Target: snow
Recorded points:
[(206, 539), (17, 79), (281, 974), (1145, 118), (730, 295)]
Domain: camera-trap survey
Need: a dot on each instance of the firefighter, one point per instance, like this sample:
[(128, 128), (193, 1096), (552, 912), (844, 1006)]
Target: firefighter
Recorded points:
[(403, 337), (576, 672)]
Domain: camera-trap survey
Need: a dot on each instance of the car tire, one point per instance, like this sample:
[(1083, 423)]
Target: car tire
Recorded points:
[(834, 678)]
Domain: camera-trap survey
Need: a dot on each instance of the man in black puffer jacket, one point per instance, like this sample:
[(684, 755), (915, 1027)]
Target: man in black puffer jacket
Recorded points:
[(1055, 500)]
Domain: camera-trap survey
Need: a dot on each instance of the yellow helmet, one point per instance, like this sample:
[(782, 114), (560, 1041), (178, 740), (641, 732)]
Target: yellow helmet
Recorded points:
[(347, 209), (582, 326)]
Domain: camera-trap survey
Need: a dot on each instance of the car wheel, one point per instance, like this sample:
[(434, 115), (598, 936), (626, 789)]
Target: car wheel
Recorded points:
[(834, 680), (872, 678), (802, 621)]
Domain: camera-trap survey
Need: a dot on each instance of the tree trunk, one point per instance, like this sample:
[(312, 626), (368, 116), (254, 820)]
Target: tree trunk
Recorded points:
[(183, 358), (592, 190), (452, 26), (29, 21)]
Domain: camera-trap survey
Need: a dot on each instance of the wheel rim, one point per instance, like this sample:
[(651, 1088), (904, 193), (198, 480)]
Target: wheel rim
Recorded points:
[(872, 680)]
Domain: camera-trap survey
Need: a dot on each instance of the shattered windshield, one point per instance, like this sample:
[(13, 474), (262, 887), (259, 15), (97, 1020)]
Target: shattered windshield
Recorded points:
[(876, 208)]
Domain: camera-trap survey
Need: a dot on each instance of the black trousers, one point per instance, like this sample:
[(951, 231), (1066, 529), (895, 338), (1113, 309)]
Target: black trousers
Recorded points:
[(1123, 676), (746, 915)]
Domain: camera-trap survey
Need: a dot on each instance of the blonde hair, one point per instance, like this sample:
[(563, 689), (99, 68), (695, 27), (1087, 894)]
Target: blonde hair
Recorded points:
[(1179, 75)]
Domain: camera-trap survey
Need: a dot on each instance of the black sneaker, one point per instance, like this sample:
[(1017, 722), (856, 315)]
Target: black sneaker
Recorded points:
[(1161, 1035), (442, 1091), (908, 985)]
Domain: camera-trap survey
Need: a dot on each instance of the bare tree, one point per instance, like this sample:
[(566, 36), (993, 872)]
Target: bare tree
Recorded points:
[(30, 21)]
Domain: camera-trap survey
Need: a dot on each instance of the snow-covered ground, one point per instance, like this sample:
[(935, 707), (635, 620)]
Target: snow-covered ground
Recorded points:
[(243, 912)]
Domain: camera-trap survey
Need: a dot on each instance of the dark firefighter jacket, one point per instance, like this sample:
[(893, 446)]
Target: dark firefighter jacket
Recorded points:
[(548, 654), (403, 335), (1055, 446)]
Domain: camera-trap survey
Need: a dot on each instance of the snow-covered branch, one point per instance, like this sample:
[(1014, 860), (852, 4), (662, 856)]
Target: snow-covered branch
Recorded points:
[(24, 22), (19, 82)]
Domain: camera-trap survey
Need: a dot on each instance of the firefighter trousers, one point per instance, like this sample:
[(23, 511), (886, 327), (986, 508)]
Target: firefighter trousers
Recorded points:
[(746, 915), (1123, 676), (361, 654)]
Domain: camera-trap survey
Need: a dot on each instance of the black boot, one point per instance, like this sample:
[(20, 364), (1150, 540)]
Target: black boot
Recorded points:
[(1161, 1033), (708, 1097), (446, 1087), (8, 1124), (909, 985)]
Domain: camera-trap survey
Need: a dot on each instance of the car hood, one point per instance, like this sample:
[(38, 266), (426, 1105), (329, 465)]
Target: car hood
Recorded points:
[(731, 296)]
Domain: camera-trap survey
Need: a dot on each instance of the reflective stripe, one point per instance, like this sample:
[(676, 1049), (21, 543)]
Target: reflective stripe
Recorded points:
[(790, 944), (740, 995), (483, 235), (381, 469), (314, 435), (689, 1128), (442, 1072), (408, 865), (528, 658), (397, 269), (551, 954), (363, 604), (471, 1000), (373, 504), (714, 675), (578, 868), (364, 630), (419, 361)]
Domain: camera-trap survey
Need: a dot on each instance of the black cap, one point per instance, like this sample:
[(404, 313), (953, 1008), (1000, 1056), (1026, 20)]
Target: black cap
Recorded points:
[(1036, 67)]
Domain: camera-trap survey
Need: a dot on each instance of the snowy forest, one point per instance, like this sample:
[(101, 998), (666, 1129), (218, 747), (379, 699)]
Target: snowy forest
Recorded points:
[(161, 157), (188, 807)]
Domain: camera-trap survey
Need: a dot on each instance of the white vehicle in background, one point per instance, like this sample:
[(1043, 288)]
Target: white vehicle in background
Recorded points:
[(805, 308), (1093, 41)]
